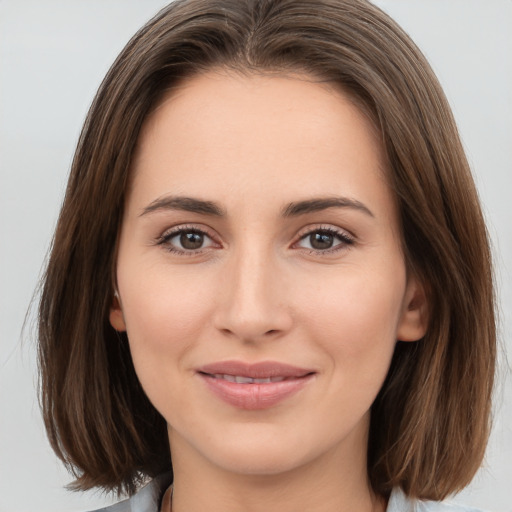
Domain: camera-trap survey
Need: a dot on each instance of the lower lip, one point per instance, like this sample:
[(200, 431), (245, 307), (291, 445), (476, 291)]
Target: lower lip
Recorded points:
[(255, 396)]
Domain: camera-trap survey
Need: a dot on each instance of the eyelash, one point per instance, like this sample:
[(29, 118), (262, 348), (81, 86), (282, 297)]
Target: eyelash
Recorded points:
[(165, 238), (345, 239)]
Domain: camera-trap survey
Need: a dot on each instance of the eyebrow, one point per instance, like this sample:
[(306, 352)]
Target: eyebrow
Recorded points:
[(188, 204), (323, 203), (294, 209)]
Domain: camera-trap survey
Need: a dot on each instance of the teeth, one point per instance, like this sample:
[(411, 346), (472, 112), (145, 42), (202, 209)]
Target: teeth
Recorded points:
[(248, 380), (243, 380)]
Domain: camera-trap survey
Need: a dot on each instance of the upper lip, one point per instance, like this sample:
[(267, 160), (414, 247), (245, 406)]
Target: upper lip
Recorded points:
[(259, 370)]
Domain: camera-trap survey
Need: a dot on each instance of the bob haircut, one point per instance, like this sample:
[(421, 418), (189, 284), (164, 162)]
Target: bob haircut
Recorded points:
[(431, 419)]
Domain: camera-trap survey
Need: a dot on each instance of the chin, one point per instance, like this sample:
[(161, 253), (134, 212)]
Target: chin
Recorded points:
[(267, 450), (261, 461)]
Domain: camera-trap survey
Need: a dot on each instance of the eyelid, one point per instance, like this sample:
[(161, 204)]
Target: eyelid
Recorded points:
[(169, 233), (346, 237)]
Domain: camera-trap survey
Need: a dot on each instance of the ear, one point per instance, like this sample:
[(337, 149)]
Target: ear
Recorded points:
[(116, 316), (413, 322)]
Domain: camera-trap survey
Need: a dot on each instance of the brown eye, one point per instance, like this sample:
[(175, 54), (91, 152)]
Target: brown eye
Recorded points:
[(321, 240), (325, 240), (185, 240), (191, 240)]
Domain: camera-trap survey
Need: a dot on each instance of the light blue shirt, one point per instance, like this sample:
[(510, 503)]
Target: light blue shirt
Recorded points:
[(149, 497)]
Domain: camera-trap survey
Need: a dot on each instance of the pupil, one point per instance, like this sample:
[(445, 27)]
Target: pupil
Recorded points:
[(321, 240), (191, 240)]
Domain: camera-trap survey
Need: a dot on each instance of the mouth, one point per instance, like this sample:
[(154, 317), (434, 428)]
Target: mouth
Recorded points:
[(254, 386), (241, 379)]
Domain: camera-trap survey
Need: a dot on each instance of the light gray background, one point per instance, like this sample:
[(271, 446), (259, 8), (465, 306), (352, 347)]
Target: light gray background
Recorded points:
[(53, 55)]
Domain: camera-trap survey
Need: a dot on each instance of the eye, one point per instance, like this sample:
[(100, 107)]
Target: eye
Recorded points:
[(325, 240), (186, 240)]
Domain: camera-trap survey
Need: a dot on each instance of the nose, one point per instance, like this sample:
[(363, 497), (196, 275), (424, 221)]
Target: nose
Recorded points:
[(252, 303)]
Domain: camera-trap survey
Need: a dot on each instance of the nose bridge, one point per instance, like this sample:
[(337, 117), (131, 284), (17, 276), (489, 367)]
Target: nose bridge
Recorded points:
[(253, 303)]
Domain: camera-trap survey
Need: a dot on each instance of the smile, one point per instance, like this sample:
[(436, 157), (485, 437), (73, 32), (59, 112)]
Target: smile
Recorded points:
[(254, 386), (239, 379)]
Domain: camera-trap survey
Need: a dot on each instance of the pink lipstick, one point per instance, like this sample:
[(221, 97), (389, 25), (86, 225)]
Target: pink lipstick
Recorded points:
[(254, 386)]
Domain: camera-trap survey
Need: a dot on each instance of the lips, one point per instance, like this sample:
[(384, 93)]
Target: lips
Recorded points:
[(254, 386), (240, 379)]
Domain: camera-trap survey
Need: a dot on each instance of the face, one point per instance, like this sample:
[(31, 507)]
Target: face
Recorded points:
[(260, 273)]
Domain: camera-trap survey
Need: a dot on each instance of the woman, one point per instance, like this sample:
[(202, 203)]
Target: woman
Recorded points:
[(270, 267)]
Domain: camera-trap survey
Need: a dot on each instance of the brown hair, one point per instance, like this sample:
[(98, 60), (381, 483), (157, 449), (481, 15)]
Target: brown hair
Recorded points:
[(430, 421)]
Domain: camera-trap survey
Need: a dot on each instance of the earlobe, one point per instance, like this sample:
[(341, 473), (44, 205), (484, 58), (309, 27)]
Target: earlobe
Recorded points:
[(415, 315), (116, 316)]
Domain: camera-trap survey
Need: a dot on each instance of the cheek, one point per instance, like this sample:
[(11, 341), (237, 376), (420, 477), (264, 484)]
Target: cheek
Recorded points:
[(356, 317), (165, 314)]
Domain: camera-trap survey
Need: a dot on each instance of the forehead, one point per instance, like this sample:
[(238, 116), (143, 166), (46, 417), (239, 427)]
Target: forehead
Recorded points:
[(223, 99), (278, 135)]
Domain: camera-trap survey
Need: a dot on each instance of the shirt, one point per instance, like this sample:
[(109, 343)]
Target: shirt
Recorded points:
[(149, 497)]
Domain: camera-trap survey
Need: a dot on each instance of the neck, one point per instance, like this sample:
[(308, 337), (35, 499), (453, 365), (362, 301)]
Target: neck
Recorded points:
[(335, 482)]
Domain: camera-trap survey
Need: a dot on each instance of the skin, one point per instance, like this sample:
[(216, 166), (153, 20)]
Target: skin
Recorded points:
[(255, 290)]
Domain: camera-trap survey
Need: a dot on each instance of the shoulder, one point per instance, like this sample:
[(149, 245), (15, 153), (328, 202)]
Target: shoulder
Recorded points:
[(149, 497), (146, 500), (399, 502)]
